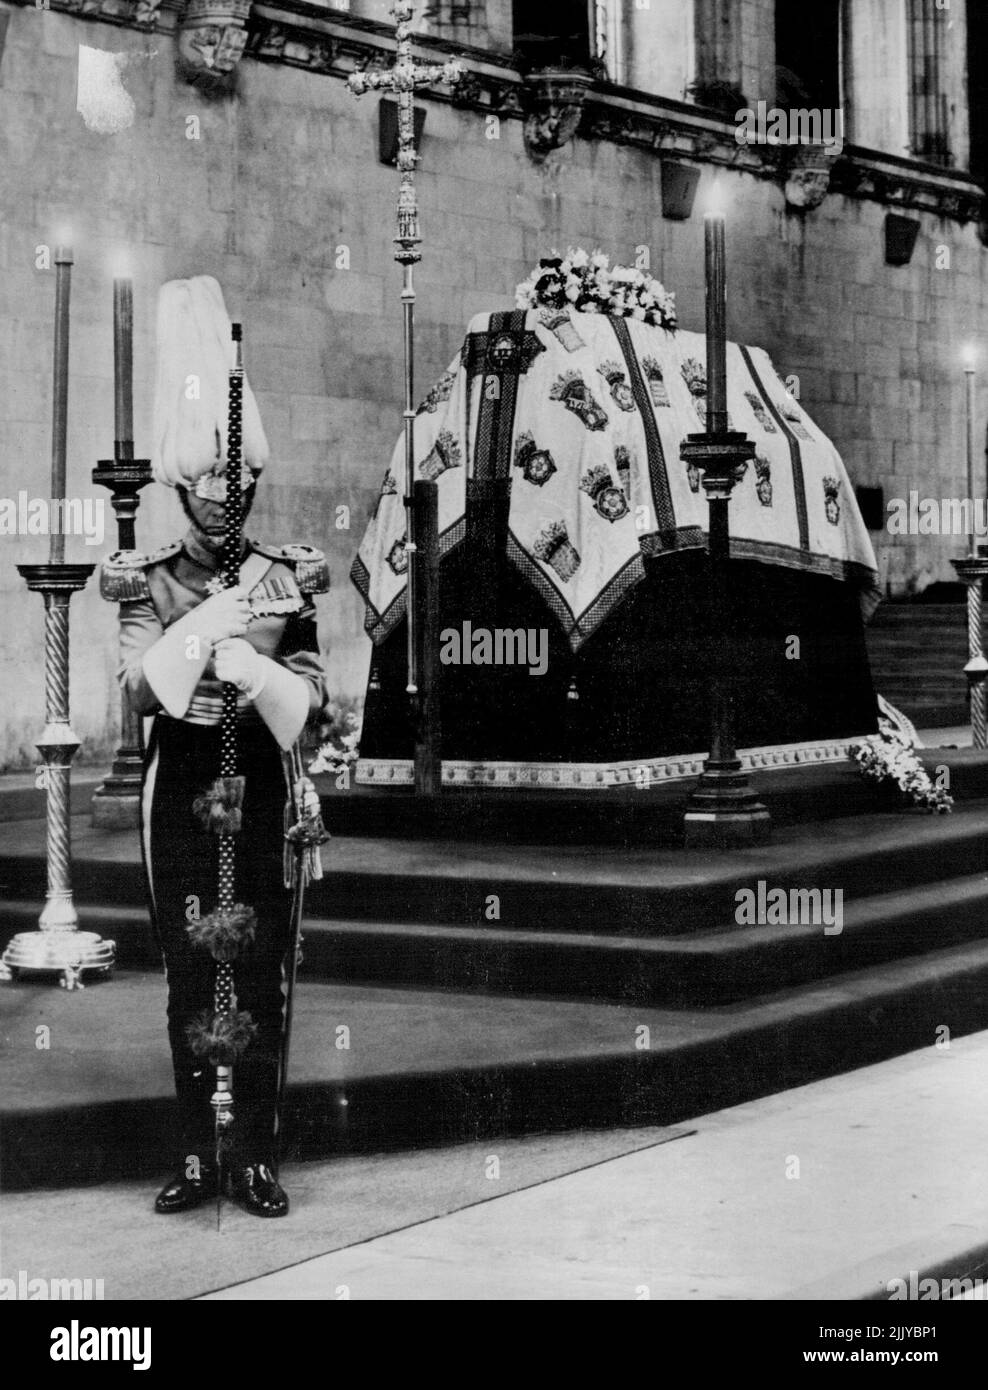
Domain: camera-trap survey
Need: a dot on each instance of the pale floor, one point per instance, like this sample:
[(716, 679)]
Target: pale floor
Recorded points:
[(830, 1191)]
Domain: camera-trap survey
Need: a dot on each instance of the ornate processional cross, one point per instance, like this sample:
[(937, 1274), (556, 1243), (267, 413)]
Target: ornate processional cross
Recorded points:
[(403, 79)]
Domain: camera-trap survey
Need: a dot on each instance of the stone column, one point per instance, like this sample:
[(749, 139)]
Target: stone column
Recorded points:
[(719, 51), (651, 49), (876, 75), (938, 119)]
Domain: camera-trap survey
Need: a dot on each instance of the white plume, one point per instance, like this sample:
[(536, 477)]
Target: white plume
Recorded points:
[(194, 356)]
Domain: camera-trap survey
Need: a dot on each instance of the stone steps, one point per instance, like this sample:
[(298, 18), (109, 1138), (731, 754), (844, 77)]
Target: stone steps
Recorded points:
[(462, 1027), (713, 966), (432, 1067), (917, 653)]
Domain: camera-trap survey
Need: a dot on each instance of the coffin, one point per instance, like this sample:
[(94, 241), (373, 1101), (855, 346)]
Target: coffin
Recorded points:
[(564, 509)]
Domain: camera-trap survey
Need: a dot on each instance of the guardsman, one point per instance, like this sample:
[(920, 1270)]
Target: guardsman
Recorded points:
[(182, 635)]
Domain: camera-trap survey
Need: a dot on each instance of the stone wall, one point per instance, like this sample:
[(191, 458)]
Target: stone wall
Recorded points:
[(282, 177)]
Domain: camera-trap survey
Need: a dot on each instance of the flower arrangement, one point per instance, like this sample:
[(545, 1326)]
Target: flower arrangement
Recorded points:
[(587, 282), (890, 756), (339, 731)]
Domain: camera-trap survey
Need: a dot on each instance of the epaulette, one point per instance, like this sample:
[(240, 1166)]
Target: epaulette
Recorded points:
[(309, 564), (122, 576)]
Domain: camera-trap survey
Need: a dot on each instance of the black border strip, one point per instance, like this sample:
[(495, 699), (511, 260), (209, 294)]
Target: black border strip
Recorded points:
[(798, 480), (657, 471)]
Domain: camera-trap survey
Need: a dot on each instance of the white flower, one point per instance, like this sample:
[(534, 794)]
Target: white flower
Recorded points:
[(619, 290)]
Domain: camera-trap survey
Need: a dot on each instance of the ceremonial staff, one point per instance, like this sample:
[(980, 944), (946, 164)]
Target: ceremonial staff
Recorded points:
[(223, 1036), (421, 496)]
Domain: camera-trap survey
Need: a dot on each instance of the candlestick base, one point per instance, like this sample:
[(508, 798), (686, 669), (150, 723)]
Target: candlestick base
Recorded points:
[(63, 951), (117, 800), (723, 812)]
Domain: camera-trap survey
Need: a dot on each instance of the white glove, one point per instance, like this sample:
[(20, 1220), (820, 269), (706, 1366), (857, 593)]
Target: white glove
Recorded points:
[(236, 661), (174, 665), (222, 615)]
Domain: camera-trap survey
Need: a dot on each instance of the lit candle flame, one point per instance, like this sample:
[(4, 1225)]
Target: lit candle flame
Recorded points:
[(715, 201)]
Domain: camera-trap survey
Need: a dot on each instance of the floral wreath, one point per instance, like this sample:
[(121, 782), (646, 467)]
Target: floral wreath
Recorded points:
[(587, 282), (891, 756)]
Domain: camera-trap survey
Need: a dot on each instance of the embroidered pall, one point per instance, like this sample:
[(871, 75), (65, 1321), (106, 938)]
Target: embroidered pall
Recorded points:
[(397, 556), (618, 382), (554, 548), (763, 480), (389, 487), (761, 414), (560, 324), (438, 394), (444, 454), (622, 462), (536, 464), (609, 501), (575, 394), (794, 418), (695, 376), (831, 487), (656, 381)]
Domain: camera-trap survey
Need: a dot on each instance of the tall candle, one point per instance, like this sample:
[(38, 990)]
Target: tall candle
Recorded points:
[(969, 374), (123, 368), (715, 266), (60, 393)]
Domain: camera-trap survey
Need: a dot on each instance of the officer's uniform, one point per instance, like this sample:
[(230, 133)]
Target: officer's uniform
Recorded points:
[(168, 674)]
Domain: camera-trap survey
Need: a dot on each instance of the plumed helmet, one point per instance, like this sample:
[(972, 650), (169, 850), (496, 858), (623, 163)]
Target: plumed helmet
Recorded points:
[(195, 352)]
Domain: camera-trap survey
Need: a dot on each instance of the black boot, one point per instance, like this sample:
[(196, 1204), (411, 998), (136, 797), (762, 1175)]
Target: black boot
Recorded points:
[(182, 1193), (256, 1187)]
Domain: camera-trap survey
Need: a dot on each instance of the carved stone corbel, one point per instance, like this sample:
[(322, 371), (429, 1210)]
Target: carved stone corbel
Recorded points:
[(212, 36), (553, 104), (807, 173)]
